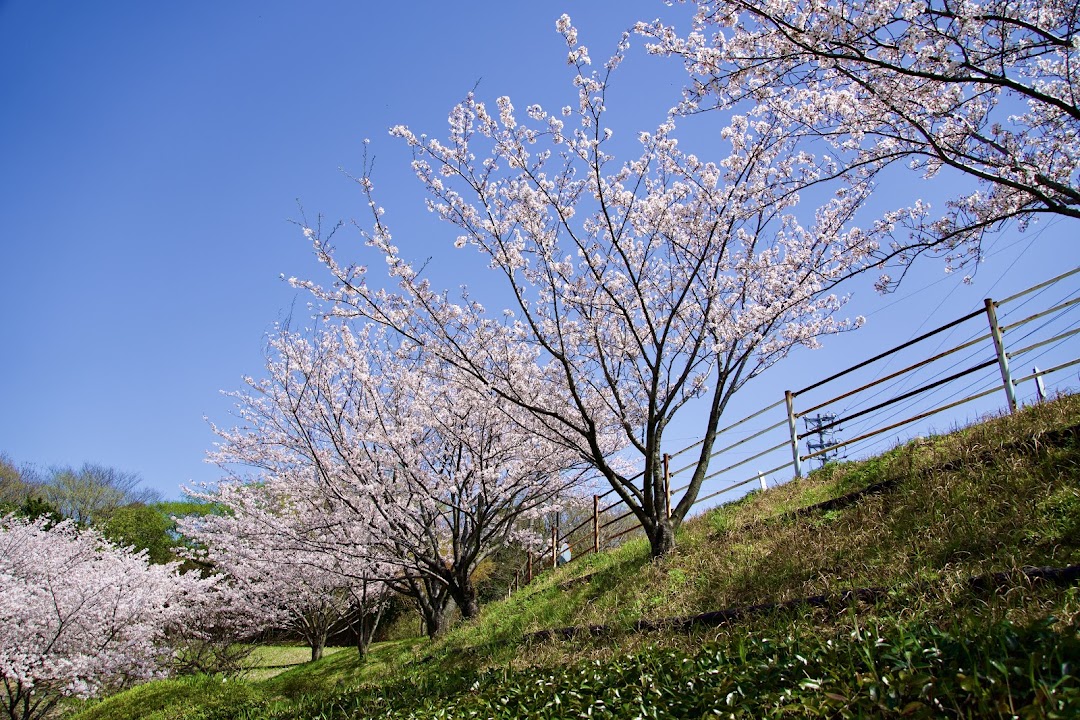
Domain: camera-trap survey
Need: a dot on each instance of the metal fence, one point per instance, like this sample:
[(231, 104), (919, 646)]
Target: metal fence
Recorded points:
[(855, 411)]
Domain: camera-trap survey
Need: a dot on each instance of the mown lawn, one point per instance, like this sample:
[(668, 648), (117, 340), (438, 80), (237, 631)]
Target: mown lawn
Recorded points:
[(267, 661)]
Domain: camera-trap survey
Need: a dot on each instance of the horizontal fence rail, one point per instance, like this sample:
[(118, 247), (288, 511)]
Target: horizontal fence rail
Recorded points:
[(862, 415)]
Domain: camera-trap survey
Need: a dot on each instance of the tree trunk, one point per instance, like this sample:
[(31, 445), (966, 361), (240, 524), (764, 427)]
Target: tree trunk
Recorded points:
[(430, 597), (368, 624), (363, 638), (317, 646), (432, 609), (464, 594), (433, 622), (661, 538)]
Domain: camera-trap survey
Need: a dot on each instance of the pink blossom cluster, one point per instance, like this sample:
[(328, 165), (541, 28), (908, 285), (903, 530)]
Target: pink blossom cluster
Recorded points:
[(636, 287), (979, 88), (79, 614), (374, 459)]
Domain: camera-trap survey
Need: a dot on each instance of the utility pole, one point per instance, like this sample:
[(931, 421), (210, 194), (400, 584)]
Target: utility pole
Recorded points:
[(820, 425)]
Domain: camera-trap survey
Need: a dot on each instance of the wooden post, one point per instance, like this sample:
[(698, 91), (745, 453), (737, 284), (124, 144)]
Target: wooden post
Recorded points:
[(1003, 357), (789, 400), (530, 568), (596, 523), (667, 482)]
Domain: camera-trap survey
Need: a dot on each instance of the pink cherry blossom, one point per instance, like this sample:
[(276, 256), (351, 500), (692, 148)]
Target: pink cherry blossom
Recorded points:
[(984, 88), (79, 615), (636, 286), (423, 471)]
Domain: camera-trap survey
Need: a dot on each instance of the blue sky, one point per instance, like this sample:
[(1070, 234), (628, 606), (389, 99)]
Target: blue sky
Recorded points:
[(154, 153)]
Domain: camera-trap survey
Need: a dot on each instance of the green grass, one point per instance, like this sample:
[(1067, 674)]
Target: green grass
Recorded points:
[(267, 661), (991, 498), (201, 697), (252, 696)]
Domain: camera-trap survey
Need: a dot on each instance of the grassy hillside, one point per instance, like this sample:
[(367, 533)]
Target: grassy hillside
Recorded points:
[(754, 615)]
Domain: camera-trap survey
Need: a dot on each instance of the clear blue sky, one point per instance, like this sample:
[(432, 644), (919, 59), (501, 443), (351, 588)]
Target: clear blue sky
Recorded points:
[(153, 154)]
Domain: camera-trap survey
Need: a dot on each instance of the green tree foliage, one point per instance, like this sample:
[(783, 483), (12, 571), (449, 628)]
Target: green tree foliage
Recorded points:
[(144, 527), (34, 507)]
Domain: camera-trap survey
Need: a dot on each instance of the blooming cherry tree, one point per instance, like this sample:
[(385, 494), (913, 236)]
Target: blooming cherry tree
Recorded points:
[(220, 623), (987, 88), (436, 468), (79, 615), (635, 288), (288, 558)]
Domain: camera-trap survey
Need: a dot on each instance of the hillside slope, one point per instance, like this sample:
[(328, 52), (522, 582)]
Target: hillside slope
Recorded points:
[(938, 538)]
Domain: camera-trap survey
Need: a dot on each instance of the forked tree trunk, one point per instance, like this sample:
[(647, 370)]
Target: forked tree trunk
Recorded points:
[(433, 611), (367, 624), (661, 538), (430, 598)]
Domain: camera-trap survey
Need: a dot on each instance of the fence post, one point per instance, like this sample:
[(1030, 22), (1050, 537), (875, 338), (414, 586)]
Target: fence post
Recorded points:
[(761, 479), (789, 400), (596, 523), (1002, 356), (667, 482), (1040, 388)]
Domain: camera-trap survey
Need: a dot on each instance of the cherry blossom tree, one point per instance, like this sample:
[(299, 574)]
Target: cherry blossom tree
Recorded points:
[(79, 615), (437, 468), (217, 633), (289, 558), (635, 288), (370, 597), (987, 88)]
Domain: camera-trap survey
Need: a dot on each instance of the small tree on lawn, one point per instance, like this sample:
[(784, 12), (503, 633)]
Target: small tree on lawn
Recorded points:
[(434, 466), (285, 552), (289, 589)]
